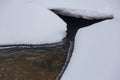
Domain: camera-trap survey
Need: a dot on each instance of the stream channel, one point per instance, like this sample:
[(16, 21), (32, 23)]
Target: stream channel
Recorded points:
[(44, 61)]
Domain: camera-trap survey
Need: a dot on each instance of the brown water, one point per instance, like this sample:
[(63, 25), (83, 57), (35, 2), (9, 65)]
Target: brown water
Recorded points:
[(31, 64)]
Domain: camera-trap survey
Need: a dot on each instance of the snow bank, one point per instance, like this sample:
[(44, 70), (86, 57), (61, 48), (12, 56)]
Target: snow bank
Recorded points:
[(30, 22), (25, 22), (97, 53), (81, 13)]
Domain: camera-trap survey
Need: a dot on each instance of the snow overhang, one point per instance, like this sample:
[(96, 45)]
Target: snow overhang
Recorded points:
[(85, 14), (77, 19)]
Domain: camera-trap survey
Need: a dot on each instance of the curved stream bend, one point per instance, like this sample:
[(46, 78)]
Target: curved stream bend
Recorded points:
[(45, 61), (75, 20)]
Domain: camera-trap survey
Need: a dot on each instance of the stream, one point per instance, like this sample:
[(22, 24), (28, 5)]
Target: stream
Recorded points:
[(42, 61)]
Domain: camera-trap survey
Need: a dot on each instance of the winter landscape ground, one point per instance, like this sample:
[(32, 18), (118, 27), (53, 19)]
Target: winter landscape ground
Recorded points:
[(96, 54)]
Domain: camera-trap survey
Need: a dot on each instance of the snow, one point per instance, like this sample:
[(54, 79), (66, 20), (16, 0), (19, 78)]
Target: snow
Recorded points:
[(30, 21), (81, 13), (96, 55), (24, 22)]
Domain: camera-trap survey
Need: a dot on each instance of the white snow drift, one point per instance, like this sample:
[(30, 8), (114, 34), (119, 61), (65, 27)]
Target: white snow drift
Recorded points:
[(96, 55), (24, 22)]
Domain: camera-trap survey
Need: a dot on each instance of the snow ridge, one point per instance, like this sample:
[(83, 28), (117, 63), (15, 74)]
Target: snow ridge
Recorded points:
[(86, 14)]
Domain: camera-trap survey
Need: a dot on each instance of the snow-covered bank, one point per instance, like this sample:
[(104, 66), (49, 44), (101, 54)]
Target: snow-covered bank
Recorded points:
[(76, 19), (30, 21), (24, 22), (77, 13), (96, 55)]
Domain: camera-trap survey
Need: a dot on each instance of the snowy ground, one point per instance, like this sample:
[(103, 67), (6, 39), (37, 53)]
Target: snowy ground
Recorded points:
[(24, 22), (97, 48), (97, 53)]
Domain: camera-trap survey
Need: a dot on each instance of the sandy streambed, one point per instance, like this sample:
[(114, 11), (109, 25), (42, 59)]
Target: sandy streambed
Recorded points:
[(31, 63)]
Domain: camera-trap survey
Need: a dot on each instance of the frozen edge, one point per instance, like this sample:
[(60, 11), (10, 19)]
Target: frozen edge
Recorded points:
[(51, 45)]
